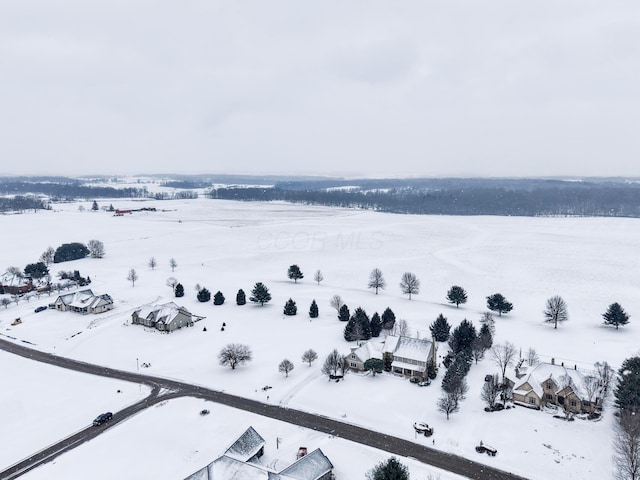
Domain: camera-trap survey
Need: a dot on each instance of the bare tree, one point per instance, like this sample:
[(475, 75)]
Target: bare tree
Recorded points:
[(173, 264), (605, 375), (318, 276), (336, 302), (152, 263), (488, 320), (96, 248), (309, 356), (591, 386), (234, 354), (532, 357), (503, 356), (132, 277), (47, 256), (333, 364), (376, 280), (490, 390), (401, 329), (448, 403), (15, 298), (409, 284), (15, 271), (172, 282), (626, 446), (5, 302), (285, 367), (555, 311)]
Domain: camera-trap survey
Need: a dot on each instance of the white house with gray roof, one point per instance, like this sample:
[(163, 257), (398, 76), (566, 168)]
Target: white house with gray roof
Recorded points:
[(84, 302), (241, 461), (166, 316)]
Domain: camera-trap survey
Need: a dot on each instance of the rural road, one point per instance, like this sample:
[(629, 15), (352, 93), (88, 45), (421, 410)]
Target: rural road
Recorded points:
[(164, 389)]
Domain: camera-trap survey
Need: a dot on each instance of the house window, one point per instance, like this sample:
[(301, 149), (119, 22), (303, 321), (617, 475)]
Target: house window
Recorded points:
[(352, 364), (353, 356), (549, 386), (585, 403), (573, 403), (549, 396), (532, 400)]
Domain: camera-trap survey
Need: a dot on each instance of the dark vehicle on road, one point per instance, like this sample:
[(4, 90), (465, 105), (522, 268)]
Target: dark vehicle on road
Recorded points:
[(41, 308), (102, 418), (423, 429)]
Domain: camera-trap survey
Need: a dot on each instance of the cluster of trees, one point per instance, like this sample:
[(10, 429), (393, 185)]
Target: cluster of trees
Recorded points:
[(507, 197), (466, 344), (74, 251), (360, 327)]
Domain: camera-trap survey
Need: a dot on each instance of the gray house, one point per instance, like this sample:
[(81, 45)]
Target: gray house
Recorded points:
[(166, 317), (241, 461), (84, 302)]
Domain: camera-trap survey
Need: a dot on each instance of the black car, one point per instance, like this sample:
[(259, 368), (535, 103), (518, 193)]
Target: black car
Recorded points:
[(41, 308), (102, 418)]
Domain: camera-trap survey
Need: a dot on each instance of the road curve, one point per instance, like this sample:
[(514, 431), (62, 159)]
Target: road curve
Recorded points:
[(398, 446)]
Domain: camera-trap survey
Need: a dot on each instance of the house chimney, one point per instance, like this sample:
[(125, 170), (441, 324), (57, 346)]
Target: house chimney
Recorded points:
[(553, 361)]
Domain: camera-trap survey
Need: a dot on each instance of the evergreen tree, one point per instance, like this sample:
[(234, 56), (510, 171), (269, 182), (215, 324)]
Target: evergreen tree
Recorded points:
[(313, 309), (70, 251), (294, 273), (497, 303), (218, 298), (440, 329), (241, 298), (457, 295), (392, 469), (111, 209), (95, 207), (376, 325), (343, 314), (349, 332), (260, 294), (36, 270), (290, 307), (179, 290), (375, 365), (204, 295), (462, 337), (615, 315), (485, 337), (363, 324), (627, 392), (388, 319)]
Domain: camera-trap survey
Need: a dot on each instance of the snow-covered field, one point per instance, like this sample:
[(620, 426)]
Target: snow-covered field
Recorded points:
[(590, 262)]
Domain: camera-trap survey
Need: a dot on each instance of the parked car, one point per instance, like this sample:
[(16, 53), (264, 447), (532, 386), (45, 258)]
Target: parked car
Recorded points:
[(423, 429), (41, 308), (484, 448), (424, 383), (102, 418)]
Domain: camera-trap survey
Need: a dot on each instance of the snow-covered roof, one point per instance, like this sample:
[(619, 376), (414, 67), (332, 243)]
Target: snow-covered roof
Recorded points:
[(409, 366), (228, 468), (310, 467), (163, 312), (367, 351), (408, 347), (249, 443), (559, 374), (77, 299), (11, 280)]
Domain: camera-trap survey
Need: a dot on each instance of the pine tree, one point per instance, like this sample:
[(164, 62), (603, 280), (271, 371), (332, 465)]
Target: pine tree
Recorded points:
[(95, 207), (462, 337), (343, 314), (363, 324), (179, 290), (440, 329), (627, 391), (485, 337), (497, 303), (260, 294), (241, 298), (388, 319), (204, 295), (376, 325), (218, 298), (615, 315), (392, 469), (313, 309), (349, 332), (457, 295), (294, 273), (290, 307)]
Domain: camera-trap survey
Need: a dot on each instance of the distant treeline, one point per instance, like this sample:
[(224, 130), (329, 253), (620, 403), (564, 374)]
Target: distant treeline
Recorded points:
[(509, 197), (21, 203), (62, 189)]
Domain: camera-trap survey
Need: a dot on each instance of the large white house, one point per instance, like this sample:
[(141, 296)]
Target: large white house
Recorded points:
[(242, 461), (84, 302)]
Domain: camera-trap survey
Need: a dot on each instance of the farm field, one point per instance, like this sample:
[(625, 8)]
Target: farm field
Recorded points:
[(224, 246)]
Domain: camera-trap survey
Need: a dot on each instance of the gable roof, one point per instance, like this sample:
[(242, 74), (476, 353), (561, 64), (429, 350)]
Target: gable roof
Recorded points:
[(559, 374), (84, 299), (247, 446), (310, 467), (408, 347), (367, 351), (162, 312)]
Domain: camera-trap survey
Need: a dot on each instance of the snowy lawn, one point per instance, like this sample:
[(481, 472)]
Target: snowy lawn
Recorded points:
[(226, 246)]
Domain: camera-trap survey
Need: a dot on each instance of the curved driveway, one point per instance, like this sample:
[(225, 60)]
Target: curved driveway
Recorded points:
[(175, 389)]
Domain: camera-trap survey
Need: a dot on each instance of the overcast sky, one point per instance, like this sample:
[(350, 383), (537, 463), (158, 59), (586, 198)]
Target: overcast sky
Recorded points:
[(350, 88)]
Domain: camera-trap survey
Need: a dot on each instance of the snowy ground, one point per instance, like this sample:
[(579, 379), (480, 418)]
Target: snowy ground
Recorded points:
[(226, 246)]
